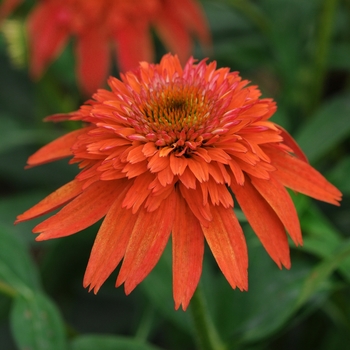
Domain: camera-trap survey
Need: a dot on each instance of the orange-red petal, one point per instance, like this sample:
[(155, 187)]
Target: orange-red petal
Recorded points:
[(81, 212), (290, 142), (147, 242), (302, 177), (227, 243), (53, 201), (188, 249), (134, 44), (47, 35), (279, 199), (57, 149), (92, 52), (264, 221), (110, 244)]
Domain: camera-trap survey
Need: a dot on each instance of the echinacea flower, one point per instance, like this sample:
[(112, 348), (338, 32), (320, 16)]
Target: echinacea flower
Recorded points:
[(96, 24), (159, 155)]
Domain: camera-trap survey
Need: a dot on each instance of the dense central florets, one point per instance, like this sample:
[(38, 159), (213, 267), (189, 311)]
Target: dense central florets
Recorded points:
[(176, 114), (176, 107)]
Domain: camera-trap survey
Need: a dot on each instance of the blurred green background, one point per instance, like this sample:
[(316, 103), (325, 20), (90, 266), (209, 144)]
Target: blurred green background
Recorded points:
[(298, 52)]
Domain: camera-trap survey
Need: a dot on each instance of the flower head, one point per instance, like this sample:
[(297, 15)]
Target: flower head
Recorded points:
[(95, 24), (158, 157)]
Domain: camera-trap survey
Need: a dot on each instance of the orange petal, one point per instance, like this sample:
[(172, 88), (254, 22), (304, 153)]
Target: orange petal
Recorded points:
[(110, 244), (81, 212), (290, 142), (53, 201), (188, 249), (57, 149), (138, 192), (92, 51), (264, 222), (302, 177), (148, 240), (199, 168), (227, 243), (178, 164), (194, 199), (279, 199)]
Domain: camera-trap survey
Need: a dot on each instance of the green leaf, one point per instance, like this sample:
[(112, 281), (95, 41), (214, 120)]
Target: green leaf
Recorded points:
[(16, 268), (322, 238), (326, 129), (339, 56), (339, 175), (322, 272), (269, 303), (36, 324), (108, 342)]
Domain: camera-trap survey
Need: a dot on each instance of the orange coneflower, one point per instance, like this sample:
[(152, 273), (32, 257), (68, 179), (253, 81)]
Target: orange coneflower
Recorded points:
[(95, 24), (158, 156)]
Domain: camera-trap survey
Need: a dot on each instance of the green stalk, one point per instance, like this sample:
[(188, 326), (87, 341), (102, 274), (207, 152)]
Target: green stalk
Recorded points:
[(323, 42), (207, 335)]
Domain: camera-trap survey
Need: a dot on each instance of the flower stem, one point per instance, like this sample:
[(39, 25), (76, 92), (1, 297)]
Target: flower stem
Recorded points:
[(207, 335), (323, 42)]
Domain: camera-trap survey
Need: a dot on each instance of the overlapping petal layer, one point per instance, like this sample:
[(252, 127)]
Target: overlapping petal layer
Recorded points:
[(159, 157)]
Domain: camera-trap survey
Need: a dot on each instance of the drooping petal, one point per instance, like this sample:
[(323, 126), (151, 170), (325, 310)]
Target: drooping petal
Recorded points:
[(48, 30), (290, 142), (81, 212), (174, 24), (302, 177), (53, 201), (148, 240), (57, 149), (173, 34), (194, 199), (188, 249), (279, 199), (227, 243), (134, 44), (110, 244), (264, 221), (138, 192), (92, 52)]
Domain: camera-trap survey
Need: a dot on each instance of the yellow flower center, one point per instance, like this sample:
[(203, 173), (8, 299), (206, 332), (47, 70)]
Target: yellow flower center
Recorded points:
[(177, 107)]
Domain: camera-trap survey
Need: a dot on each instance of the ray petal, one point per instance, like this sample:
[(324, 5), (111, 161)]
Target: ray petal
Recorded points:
[(134, 45), (188, 249), (81, 212), (110, 244), (148, 240), (279, 199), (57, 149), (264, 222), (53, 201), (301, 177), (290, 142), (227, 243), (194, 199), (92, 51), (47, 36)]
